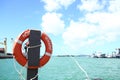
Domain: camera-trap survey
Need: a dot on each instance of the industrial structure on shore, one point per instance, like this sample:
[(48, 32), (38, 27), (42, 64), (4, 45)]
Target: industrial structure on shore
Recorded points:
[(103, 55), (3, 50)]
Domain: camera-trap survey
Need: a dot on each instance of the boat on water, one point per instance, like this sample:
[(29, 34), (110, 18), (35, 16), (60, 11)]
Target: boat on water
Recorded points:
[(103, 55), (3, 51), (5, 55)]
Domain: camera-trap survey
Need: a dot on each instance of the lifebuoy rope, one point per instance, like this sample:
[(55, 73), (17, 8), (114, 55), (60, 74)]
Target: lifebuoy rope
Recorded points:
[(20, 42), (19, 72), (34, 77), (34, 46)]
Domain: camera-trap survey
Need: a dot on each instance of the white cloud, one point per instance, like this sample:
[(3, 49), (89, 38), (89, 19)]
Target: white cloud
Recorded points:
[(77, 33), (52, 23), (65, 3), (91, 5), (53, 5), (95, 28), (105, 20), (114, 6)]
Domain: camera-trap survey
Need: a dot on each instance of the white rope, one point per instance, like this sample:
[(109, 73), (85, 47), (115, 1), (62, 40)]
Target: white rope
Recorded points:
[(20, 73), (34, 46), (34, 76), (79, 66)]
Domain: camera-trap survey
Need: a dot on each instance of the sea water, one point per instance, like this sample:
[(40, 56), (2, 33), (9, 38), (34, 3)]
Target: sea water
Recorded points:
[(65, 68)]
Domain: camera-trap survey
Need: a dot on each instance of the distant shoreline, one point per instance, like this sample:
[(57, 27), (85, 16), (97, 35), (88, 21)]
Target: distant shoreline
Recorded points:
[(71, 55)]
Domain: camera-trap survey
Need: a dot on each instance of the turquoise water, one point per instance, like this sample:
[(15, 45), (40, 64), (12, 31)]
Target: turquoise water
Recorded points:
[(65, 68)]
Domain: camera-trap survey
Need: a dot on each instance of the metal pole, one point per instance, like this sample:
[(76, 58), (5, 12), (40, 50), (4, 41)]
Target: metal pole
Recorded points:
[(33, 54)]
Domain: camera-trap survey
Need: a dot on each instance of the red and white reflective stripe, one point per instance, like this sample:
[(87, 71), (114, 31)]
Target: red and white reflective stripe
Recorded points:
[(19, 41), (48, 54)]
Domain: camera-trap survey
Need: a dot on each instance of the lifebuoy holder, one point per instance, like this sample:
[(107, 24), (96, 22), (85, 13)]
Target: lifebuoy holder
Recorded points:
[(22, 60)]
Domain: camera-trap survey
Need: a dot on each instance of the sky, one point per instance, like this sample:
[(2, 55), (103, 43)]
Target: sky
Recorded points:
[(74, 26)]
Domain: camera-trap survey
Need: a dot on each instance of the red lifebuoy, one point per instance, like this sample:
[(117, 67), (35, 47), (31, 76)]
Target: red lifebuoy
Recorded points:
[(21, 59)]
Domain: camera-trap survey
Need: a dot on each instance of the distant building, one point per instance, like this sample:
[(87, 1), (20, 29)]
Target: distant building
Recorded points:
[(118, 55)]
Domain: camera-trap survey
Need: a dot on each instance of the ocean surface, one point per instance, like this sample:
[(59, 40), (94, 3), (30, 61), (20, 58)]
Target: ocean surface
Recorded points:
[(65, 68)]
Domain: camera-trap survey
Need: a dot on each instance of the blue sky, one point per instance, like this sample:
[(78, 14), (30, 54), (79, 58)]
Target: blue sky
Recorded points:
[(74, 26)]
